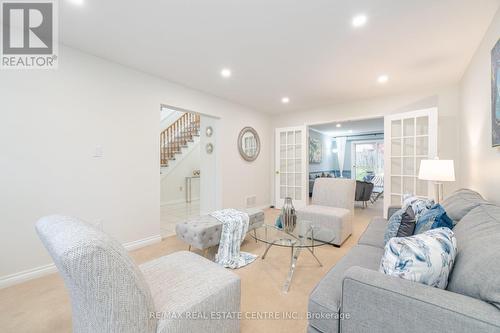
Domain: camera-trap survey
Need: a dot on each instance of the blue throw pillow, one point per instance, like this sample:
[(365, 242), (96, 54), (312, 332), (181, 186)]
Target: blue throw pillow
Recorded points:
[(433, 218), (393, 225), (418, 205)]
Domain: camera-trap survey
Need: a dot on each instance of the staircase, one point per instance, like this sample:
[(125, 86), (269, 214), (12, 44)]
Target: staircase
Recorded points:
[(178, 136)]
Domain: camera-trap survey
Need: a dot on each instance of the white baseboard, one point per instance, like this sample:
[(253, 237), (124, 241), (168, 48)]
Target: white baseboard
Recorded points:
[(174, 202), (142, 242), (16, 278), (263, 206), (30, 274)]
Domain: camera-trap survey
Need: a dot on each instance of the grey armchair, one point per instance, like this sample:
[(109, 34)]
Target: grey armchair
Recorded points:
[(364, 192), (331, 209), (110, 293)]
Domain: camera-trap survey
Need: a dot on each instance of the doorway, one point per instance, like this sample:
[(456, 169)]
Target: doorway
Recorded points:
[(188, 179), (367, 159), (352, 149)]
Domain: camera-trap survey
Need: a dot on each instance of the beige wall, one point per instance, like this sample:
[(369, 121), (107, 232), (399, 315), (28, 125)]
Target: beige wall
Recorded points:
[(51, 122), (446, 99), (480, 162)]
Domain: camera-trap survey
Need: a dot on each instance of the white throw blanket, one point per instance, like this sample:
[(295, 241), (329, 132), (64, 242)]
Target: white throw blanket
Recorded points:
[(234, 229)]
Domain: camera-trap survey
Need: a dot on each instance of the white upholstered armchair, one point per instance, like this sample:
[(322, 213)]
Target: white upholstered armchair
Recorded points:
[(110, 293), (331, 209)]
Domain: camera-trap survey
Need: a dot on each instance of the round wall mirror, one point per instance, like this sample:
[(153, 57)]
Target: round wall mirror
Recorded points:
[(249, 144)]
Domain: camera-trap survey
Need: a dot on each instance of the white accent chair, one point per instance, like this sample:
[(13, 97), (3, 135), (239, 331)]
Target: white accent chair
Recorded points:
[(331, 210), (110, 293)]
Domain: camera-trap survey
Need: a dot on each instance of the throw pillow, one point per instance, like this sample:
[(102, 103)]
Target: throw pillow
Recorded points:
[(425, 258), (393, 225), (418, 205), (407, 226), (433, 218)]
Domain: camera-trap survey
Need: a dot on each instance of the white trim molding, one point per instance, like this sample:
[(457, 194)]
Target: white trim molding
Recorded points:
[(130, 246), (30, 274), (263, 207)]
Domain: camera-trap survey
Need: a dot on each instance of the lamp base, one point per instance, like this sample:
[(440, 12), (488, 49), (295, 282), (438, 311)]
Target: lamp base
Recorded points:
[(438, 192)]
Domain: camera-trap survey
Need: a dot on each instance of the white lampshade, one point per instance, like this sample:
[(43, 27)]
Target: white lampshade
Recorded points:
[(437, 170)]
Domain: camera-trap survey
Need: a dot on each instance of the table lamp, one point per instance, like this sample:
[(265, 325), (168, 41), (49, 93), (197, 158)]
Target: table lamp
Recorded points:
[(438, 171)]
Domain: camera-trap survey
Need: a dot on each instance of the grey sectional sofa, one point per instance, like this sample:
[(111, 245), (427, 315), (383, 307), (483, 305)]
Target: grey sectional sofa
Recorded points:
[(355, 297)]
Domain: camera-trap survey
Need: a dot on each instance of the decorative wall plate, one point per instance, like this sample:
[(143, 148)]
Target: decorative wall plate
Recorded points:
[(209, 148)]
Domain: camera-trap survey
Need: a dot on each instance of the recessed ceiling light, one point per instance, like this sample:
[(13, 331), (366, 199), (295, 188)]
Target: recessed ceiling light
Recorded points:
[(225, 72), (382, 79), (285, 100), (359, 20), (338, 125)]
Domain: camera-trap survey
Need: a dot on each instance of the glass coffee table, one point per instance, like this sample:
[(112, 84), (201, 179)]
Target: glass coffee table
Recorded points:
[(302, 237)]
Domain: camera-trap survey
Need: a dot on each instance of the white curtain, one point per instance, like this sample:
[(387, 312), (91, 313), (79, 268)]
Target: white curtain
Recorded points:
[(341, 143)]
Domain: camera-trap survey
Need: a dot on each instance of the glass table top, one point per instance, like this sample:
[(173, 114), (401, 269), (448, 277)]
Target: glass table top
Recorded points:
[(301, 236)]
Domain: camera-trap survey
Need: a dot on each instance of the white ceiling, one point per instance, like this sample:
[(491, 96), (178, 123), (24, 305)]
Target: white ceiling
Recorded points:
[(306, 50), (349, 128)]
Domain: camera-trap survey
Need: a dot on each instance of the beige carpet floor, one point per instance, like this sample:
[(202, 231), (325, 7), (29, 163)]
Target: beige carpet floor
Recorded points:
[(42, 305)]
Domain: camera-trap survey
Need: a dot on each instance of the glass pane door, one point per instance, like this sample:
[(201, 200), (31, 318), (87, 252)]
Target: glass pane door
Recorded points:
[(290, 163), (410, 137)]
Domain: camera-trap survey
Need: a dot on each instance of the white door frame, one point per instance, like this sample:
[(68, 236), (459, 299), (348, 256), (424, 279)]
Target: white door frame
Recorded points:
[(432, 113), (304, 166), (353, 153)]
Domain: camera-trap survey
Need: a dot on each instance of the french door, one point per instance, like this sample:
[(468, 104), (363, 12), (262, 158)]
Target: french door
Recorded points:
[(409, 138), (290, 164)]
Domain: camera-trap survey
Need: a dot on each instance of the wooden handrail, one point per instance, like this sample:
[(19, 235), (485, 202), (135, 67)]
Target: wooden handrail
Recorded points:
[(177, 135)]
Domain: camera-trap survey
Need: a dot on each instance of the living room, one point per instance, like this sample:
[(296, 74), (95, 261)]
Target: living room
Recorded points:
[(83, 247)]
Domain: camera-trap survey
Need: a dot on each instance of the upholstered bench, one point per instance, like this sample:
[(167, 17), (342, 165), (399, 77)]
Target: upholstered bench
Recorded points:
[(203, 232)]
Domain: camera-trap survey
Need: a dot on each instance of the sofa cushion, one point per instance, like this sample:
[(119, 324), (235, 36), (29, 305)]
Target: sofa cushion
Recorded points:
[(476, 272), (374, 233), (324, 301), (461, 202)]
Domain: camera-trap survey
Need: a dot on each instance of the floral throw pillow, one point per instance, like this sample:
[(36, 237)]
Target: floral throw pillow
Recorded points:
[(425, 258)]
